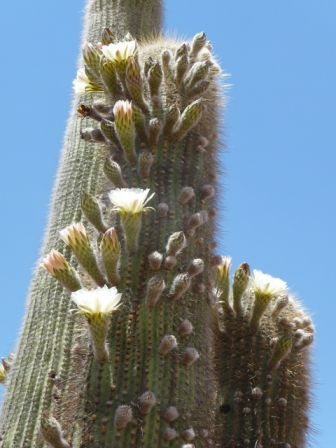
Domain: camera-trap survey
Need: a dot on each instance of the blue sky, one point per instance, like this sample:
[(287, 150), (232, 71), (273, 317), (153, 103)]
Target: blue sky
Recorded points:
[(278, 196)]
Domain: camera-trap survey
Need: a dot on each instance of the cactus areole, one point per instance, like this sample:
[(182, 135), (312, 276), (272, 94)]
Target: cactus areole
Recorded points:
[(134, 336)]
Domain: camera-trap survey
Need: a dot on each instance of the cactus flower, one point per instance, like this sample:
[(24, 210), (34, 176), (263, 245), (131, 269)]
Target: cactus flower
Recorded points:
[(120, 52), (130, 201), (100, 301)]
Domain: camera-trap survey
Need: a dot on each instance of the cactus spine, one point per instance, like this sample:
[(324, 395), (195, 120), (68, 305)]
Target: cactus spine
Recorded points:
[(140, 355)]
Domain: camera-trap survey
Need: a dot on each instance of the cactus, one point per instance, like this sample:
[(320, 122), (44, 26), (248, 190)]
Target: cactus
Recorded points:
[(133, 335)]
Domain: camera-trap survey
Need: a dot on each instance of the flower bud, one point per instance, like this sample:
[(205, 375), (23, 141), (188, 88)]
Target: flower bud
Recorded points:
[(185, 328), (163, 209), (155, 287), (171, 414), (145, 163), (125, 129), (155, 260), (76, 238), (197, 44), (51, 432), (196, 267), (171, 119), (122, 417), (57, 266), (169, 434), (180, 286), (190, 356), (111, 250), (91, 210), (240, 282), (146, 402), (176, 243), (189, 118), (207, 192), (113, 172), (188, 434), (170, 262), (186, 194), (134, 83), (167, 344), (154, 79)]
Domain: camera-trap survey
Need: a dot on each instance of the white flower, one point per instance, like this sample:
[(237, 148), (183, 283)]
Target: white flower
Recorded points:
[(82, 83), (120, 52), (130, 200), (74, 234), (266, 285), (97, 301)]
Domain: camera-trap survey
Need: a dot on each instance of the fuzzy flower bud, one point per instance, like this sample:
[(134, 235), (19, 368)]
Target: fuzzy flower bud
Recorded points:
[(76, 238), (97, 305), (190, 356), (281, 350), (168, 343), (51, 432), (176, 243), (145, 163), (125, 128), (171, 119), (207, 192), (146, 402), (110, 250), (163, 209), (197, 44), (57, 266), (91, 210), (154, 132), (188, 434), (171, 414), (134, 83), (185, 328), (189, 118), (155, 287), (122, 417), (113, 172), (155, 79), (155, 260), (186, 194), (196, 267), (180, 286), (240, 281), (169, 434)]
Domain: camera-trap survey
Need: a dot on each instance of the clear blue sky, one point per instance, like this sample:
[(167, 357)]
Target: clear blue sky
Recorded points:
[(278, 207)]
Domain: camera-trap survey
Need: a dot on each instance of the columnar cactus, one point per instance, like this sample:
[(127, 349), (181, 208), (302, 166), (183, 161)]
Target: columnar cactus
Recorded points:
[(133, 337)]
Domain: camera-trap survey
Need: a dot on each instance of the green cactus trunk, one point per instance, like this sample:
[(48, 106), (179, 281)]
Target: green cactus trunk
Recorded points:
[(167, 367)]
